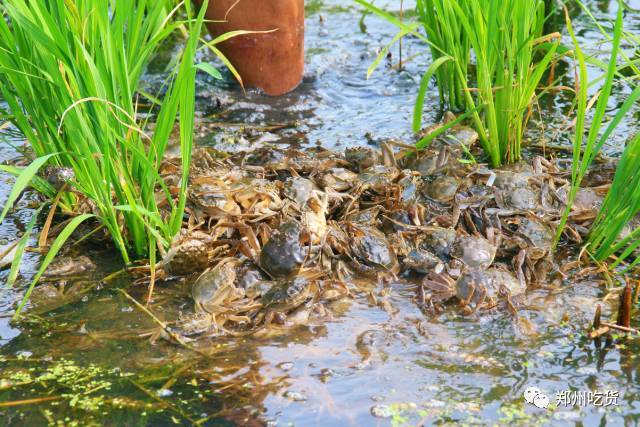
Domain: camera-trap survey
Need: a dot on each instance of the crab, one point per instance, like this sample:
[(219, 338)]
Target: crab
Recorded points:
[(332, 290), (66, 267), (284, 297), (475, 251), (284, 254), (259, 198), (530, 189), (369, 251), (336, 179), (212, 198), (464, 135), (444, 151), (515, 192), (409, 188), (215, 287), (443, 188), (360, 158), (190, 252), (59, 176), (584, 211), (428, 162), (438, 240), (368, 217), (292, 161), (299, 190), (217, 300), (533, 240), (252, 280), (475, 289), (406, 218), (422, 261), (314, 217), (379, 179)]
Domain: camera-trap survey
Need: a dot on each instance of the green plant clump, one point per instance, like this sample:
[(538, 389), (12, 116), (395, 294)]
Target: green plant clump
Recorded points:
[(504, 39), (621, 205), (504, 35), (70, 72), (621, 201), (612, 234), (448, 39)]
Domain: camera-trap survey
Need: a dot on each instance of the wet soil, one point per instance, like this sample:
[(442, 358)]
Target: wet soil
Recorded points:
[(368, 364)]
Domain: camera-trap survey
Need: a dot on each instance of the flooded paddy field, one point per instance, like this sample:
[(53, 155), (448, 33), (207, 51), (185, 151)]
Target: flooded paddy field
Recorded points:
[(85, 353)]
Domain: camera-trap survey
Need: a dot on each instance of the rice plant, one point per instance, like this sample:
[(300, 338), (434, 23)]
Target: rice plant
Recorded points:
[(585, 151), (448, 38), (69, 71), (620, 207), (510, 56), (612, 235), (504, 36)]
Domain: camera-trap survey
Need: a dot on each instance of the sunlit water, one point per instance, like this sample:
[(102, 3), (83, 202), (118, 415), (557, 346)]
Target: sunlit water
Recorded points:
[(367, 364)]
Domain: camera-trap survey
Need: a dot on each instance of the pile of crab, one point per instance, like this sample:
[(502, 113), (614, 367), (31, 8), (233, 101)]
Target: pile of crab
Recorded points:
[(274, 235)]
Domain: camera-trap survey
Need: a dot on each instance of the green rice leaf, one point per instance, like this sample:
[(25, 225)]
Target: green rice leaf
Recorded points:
[(209, 69), (583, 156), (424, 85), (53, 251), (426, 141), (385, 50), (17, 260), (23, 181)]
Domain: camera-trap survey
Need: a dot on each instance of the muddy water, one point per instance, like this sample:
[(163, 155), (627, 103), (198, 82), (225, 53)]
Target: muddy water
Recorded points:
[(368, 364)]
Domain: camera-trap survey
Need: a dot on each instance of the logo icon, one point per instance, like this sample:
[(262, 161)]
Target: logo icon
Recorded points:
[(535, 396)]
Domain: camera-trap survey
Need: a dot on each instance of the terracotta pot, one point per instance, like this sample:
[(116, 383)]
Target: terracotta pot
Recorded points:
[(273, 61)]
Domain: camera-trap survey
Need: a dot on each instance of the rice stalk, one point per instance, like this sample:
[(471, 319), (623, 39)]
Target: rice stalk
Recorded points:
[(504, 40), (69, 71), (585, 151), (449, 39), (620, 207)]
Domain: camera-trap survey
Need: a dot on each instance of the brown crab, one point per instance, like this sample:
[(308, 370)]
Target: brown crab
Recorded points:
[(363, 158), (285, 253), (533, 240), (475, 251), (212, 198), (314, 217), (336, 179), (190, 252), (215, 287), (369, 251), (260, 198), (475, 289), (217, 300), (284, 297)]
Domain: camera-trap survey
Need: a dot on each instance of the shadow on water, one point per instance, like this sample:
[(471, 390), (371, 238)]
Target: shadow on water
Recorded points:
[(97, 359)]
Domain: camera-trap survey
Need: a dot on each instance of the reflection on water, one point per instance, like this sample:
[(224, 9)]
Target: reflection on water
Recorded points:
[(368, 363), (337, 106), (385, 359)]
